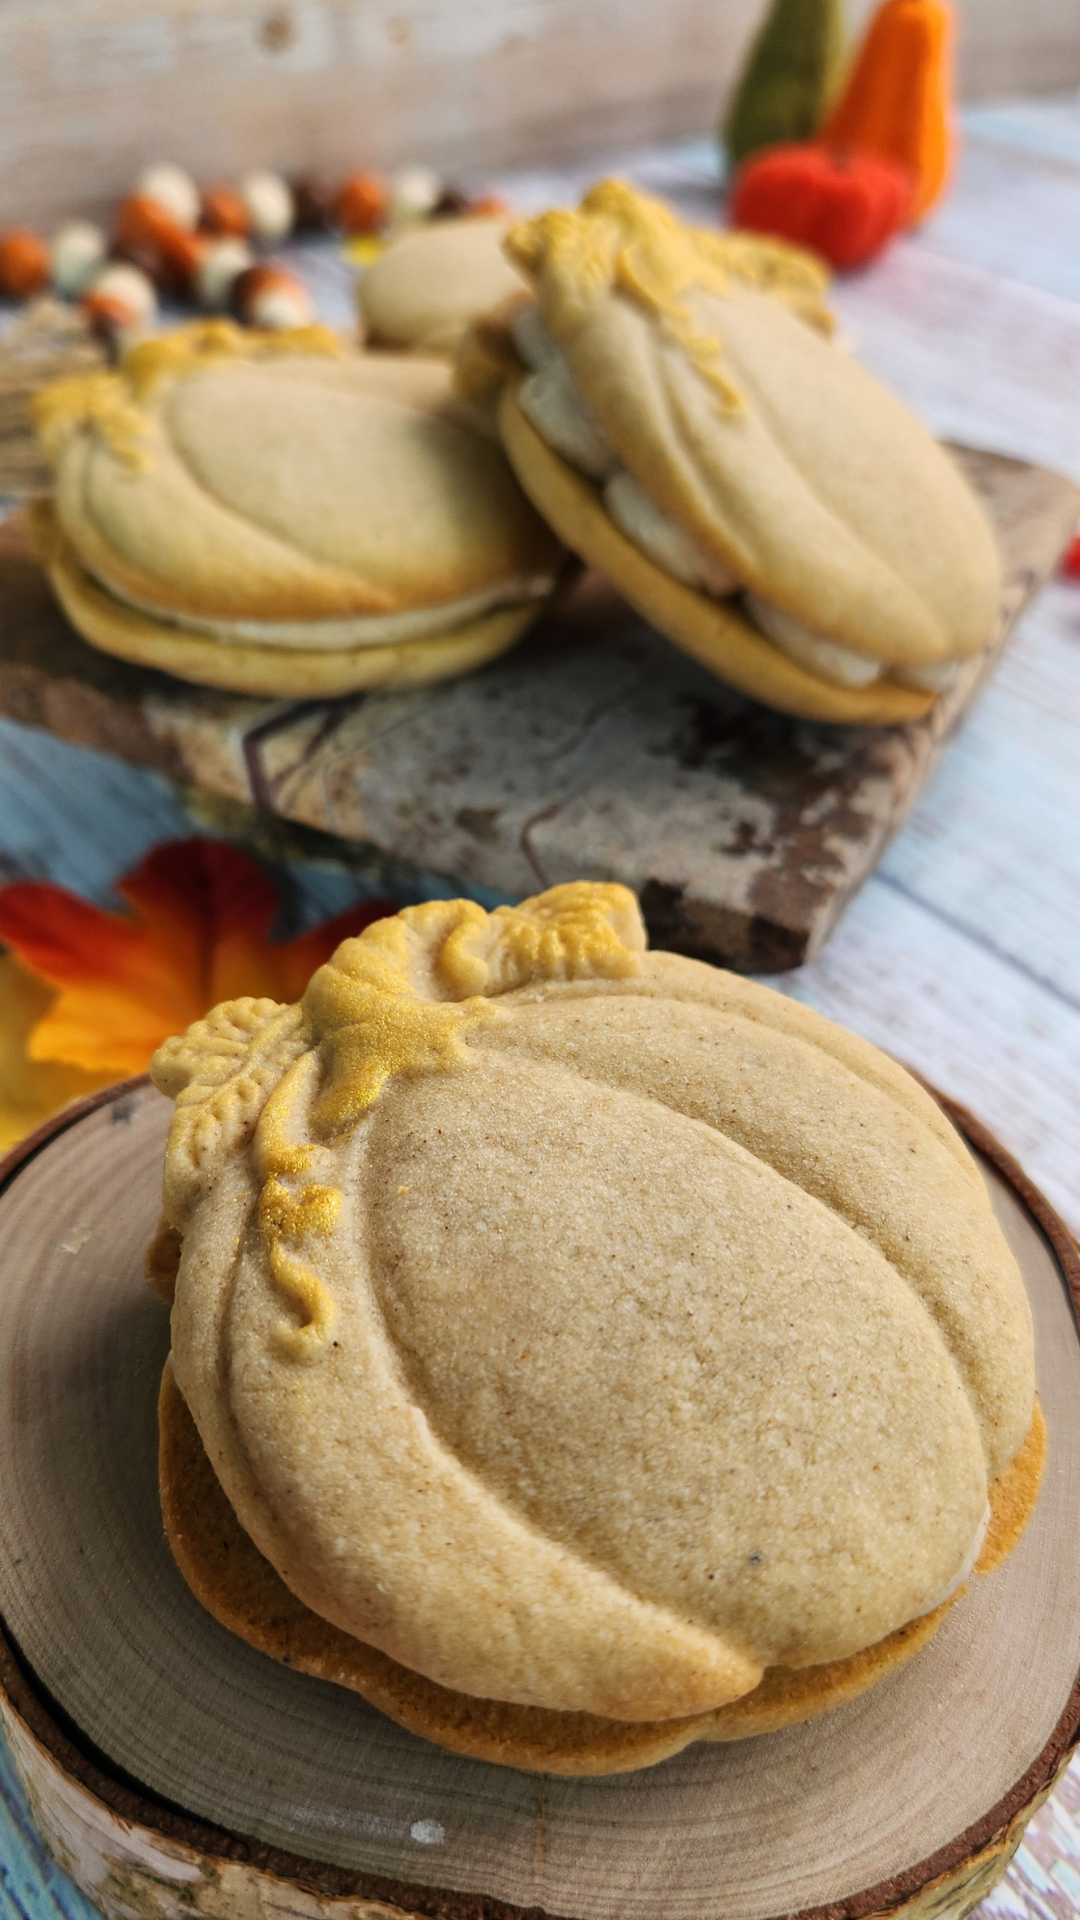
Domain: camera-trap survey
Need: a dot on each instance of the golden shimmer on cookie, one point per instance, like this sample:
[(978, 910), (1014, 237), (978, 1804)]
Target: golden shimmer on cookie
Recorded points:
[(273, 514), (584, 1329), (227, 1573), (753, 491)]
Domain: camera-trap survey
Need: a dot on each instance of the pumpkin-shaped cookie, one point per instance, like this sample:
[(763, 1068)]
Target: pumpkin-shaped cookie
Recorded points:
[(597, 1351), (270, 513), (752, 490), (433, 280)]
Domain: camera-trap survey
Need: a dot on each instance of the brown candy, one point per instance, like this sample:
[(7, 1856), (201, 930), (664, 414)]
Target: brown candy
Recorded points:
[(314, 204), (450, 205)]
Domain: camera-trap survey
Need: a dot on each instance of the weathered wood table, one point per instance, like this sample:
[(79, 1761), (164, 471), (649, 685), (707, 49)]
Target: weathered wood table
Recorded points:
[(960, 953), (595, 748)]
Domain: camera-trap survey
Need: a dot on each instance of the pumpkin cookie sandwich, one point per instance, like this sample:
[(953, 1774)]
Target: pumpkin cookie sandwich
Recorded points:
[(272, 514), (750, 489), (425, 289), (577, 1351)]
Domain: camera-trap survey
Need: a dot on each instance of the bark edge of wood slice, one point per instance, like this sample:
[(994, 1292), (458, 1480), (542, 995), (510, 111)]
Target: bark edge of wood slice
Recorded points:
[(139, 1857)]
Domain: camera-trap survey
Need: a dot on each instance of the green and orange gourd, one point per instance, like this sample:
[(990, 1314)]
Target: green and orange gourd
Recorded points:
[(880, 155)]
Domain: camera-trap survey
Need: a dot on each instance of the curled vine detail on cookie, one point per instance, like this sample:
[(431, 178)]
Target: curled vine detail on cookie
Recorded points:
[(286, 1219), (397, 999), (625, 240)]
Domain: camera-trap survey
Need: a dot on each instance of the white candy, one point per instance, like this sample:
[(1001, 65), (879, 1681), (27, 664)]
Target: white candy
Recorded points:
[(279, 305), (173, 190), (269, 203), (220, 267), (130, 288), (77, 250), (413, 193), (636, 514)]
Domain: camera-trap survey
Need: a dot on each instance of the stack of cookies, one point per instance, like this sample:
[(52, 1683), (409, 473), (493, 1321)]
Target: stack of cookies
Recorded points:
[(673, 405), (277, 514), (577, 1351)]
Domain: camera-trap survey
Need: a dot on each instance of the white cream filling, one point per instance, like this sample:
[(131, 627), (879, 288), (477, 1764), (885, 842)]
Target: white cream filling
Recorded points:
[(563, 418), (532, 339), (967, 1567), (933, 679), (636, 514), (359, 630), (811, 650)]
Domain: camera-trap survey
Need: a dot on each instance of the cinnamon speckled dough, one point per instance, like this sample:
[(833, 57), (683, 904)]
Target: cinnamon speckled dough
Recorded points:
[(423, 291), (776, 453), (585, 1329), (280, 496)]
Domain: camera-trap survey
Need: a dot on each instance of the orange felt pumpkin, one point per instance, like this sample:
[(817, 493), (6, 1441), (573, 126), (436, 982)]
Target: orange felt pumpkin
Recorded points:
[(895, 103), (844, 206)]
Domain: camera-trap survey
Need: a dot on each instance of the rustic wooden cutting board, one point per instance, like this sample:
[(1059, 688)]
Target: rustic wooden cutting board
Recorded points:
[(594, 750), (175, 1771)]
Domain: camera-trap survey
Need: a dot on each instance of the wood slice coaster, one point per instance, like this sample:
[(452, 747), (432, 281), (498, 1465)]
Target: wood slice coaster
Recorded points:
[(173, 1769), (595, 748)]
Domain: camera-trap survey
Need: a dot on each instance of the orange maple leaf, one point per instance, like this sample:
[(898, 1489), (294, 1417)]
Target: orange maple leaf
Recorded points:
[(198, 932)]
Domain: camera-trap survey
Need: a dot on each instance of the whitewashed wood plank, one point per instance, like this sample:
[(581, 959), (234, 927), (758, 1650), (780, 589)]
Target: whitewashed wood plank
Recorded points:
[(90, 90), (1049, 125), (32, 1886), (1009, 209), (995, 840), (982, 360), (77, 817), (969, 1019), (1043, 1881)]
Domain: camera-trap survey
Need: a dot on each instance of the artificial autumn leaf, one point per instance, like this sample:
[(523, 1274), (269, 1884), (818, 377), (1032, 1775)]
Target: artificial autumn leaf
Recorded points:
[(29, 1089), (198, 932)]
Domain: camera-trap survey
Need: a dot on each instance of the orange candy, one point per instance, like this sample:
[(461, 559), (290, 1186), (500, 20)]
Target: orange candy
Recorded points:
[(224, 213), (360, 203), (24, 263), (150, 238), (491, 205)]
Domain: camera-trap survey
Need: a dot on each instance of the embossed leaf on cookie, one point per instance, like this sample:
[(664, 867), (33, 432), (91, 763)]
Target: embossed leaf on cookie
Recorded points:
[(585, 1330), (800, 532), (274, 514)]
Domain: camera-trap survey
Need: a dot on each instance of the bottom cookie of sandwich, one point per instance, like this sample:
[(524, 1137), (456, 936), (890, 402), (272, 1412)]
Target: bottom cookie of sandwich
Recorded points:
[(233, 1581)]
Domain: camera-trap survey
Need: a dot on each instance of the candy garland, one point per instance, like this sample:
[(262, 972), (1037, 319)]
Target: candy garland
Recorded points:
[(200, 246)]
